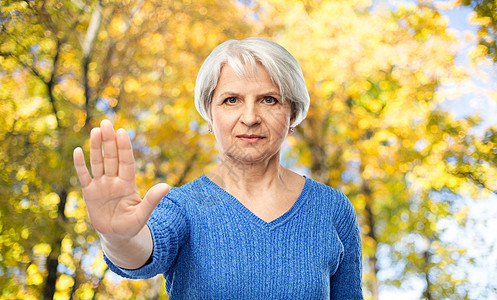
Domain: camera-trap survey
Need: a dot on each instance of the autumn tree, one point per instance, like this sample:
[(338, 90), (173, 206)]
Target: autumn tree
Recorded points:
[(486, 17), (377, 131), (65, 65)]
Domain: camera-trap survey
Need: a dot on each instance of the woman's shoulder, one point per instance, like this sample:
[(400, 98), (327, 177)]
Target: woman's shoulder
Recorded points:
[(326, 193), (333, 201), (195, 190)]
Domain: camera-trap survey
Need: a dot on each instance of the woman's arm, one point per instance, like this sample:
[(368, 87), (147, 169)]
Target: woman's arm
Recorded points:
[(116, 210), (346, 283)]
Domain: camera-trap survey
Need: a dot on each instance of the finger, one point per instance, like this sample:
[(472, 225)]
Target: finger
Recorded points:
[(125, 155), (80, 166), (110, 148), (151, 200), (96, 159)]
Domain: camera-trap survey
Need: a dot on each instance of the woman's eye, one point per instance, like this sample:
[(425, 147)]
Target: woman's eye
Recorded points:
[(270, 100), (231, 100)]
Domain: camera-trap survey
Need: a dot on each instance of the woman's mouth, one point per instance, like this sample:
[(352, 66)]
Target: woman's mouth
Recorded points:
[(250, 138)]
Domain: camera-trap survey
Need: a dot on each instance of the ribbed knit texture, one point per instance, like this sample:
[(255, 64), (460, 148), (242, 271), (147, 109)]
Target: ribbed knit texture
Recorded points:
[(210, 246)]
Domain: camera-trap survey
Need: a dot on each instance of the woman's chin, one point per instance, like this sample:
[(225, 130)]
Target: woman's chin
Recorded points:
[(251, 157)]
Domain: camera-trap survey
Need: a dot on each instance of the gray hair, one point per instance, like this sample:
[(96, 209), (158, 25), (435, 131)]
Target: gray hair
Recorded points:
[(241, 55)]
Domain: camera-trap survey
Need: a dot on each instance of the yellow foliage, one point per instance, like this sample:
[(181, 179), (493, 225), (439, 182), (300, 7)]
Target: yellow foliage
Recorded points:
[(85, 292), (64, 283), (67, 244), (75, 207), (368, 242), (34, 276), (35, 104), (483, 21), (373, 76), (20, 173), (42, 249), (80, 227), (20, 295), (25, 233), (67, 259), (117, 27), (98, 264), (49, 201), (360, 202), (478, 52), (461, 214)]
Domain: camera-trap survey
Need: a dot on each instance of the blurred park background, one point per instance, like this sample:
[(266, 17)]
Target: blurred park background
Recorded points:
[(402, 120)]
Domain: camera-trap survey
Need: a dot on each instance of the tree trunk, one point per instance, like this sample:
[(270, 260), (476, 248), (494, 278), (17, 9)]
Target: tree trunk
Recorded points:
[(52, 263), (53, 258), (369, 221), (426, 256), (319, 167), (87, 46)]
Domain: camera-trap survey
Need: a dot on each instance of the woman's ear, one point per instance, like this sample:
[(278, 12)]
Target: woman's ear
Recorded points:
[(293, 117), (293, 114)]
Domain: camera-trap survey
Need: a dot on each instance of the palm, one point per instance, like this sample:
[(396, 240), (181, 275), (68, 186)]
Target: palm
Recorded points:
[(113, 203)]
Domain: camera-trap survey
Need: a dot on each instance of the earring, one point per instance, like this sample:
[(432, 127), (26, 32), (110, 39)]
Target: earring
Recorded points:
[(291, 130), (210, 130)]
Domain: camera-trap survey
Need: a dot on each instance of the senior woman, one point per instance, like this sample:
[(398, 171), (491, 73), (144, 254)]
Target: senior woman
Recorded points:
[(248, 229)]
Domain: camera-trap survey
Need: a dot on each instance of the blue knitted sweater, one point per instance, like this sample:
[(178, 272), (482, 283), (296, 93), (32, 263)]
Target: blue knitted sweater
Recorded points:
[(210, 246)]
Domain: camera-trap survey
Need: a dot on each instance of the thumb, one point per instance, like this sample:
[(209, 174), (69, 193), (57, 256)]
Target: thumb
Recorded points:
[(152, 199)]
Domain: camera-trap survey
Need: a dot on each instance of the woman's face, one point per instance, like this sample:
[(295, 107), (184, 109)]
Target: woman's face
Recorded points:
[(249, 118)]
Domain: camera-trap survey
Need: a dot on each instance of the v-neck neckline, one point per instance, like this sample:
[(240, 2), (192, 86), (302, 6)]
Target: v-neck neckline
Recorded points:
[(287, 215)]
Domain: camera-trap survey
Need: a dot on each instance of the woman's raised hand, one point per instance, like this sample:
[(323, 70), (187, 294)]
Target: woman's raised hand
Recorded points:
[(115, 208)]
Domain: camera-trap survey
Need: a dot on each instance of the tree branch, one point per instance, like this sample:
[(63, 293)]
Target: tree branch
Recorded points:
[(187, 170), (31, 68), (476, 180), (87, 47), (107, 72), (51, 82)]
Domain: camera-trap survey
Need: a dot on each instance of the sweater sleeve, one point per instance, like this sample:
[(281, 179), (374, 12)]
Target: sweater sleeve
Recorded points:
[(346, 282), (169, 228)]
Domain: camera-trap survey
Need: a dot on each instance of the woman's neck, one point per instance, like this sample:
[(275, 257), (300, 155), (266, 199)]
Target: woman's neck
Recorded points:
[(250, 178)]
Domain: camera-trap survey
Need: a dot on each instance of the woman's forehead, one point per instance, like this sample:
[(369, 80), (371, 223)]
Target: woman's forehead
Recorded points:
[(230, 77)]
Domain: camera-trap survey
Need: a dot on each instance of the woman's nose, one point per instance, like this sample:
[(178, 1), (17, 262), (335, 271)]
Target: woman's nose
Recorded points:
[(250, 115)]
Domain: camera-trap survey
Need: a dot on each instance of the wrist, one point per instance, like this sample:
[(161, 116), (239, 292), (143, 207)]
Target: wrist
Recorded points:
[(128, 253)]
